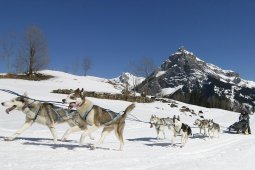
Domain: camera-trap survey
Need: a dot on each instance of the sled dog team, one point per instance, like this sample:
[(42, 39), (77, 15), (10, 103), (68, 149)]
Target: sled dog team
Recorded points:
[(174, 124), (89, 117), (86, 118)]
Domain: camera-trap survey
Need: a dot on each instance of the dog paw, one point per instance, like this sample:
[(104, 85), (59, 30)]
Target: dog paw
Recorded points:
[(63, 139), (8, 139), (92, 137), (92, 147)]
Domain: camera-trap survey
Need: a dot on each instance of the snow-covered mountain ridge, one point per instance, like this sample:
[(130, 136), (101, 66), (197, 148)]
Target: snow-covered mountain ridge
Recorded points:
[(126, 80)]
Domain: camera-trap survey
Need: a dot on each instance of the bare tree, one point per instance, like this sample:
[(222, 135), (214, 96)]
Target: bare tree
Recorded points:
[(8, 49), (144, 67), (86, 65), (33, 55)]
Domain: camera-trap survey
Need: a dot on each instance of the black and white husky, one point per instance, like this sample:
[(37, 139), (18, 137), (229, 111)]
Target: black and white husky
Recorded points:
[(182, 129), (160, 124), (213, 128)]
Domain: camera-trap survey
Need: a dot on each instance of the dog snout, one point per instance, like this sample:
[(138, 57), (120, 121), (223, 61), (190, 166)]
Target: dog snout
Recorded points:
[(2, 103), (64, 100)]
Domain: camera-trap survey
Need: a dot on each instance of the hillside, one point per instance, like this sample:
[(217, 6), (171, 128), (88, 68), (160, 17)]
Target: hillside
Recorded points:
[(34, 148)]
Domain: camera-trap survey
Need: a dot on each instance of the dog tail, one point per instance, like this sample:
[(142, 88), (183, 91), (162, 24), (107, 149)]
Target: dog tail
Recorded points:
[(127, 111)]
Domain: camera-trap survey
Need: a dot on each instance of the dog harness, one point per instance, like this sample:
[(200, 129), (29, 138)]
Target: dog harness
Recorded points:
[(84, 117), (113, 117), (162, 122), (67, 115), (37, 113)]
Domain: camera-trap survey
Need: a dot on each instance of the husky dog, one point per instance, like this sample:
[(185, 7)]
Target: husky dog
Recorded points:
[(92, 117), (42, 113), (202, 124), (212, 128), (160, 124), (180, 128)]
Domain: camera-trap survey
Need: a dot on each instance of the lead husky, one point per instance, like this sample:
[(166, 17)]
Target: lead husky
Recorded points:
[(93, 117), (180, 128), (42, 113), (202, 124), (160, 124), (213, 127)]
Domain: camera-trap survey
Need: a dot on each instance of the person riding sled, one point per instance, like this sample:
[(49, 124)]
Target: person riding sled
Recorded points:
[(244, 116)]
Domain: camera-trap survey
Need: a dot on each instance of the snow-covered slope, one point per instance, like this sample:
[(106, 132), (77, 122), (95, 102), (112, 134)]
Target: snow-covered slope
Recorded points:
[(34, 148), (62, 80)]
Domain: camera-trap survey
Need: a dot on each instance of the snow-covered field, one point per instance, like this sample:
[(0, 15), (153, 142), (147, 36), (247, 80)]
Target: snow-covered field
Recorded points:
[(34, 149)]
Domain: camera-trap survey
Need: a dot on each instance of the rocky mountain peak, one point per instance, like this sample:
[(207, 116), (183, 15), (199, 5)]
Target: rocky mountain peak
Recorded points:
[(188, 63), (185, 77)]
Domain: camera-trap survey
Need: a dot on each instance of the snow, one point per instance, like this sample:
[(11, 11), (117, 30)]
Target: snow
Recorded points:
[(126, 79), (169, 91), (160, 73), (214, 67), (62, 81), (34, 149), (247, 83), (218, 72)]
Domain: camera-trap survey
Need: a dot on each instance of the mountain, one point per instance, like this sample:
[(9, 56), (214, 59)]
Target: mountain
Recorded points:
[(126, 80), (185, 77)]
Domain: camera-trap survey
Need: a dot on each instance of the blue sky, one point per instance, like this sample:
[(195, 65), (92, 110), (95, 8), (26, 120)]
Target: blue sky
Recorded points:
[(114, 32)]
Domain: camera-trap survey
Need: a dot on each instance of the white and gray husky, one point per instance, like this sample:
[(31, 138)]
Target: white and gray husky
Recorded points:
[(182, 129), (42, 113), (92, 117), (160, 124), (202, 124), (213, 128)]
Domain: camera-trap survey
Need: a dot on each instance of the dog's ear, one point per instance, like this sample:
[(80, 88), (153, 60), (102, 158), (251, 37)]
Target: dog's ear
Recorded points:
[(174, 117), (77, 90), (83, 95), (82, 90), (25, 100), (178, 118)]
